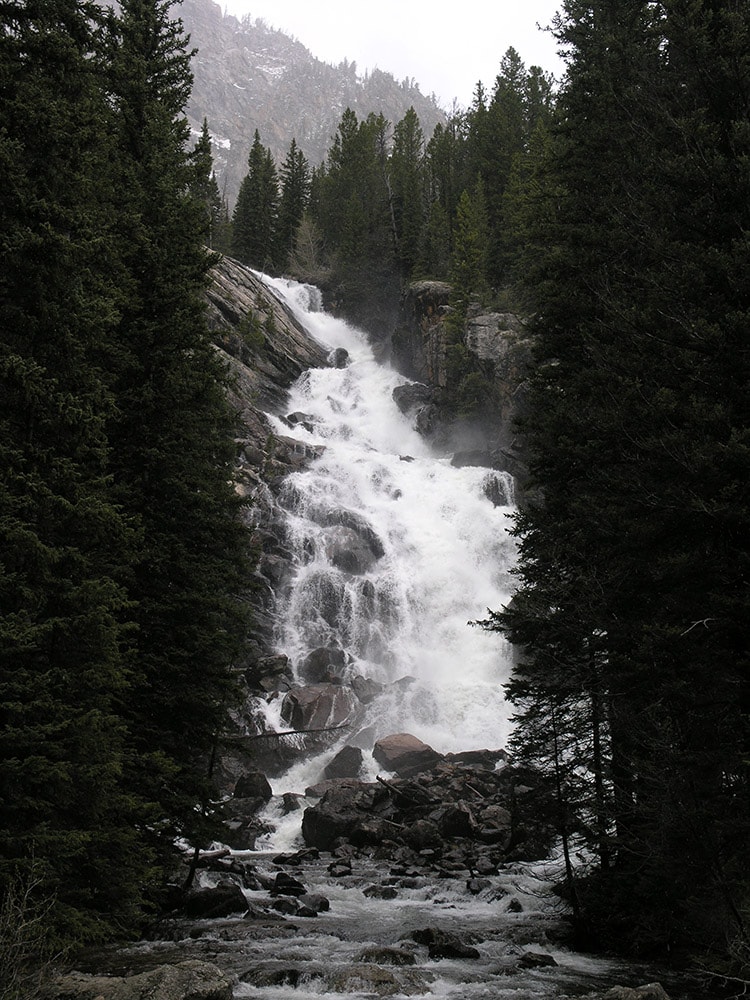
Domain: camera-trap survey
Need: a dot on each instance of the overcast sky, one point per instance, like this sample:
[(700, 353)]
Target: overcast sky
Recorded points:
[(445, 47)]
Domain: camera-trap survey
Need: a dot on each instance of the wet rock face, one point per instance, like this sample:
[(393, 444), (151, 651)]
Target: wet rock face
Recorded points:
[(499, 340), (317, 706)]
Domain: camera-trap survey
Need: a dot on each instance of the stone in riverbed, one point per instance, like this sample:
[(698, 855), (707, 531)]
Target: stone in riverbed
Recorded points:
[(220, 901), (189, 980), (346, 764), (442, 944), (536, 960), (387, 956), (287, 885), (253, 784), (370, 980), (650, 991), (405, 754)]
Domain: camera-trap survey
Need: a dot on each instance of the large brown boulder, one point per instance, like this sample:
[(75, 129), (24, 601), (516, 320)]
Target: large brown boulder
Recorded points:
[(405, 754)]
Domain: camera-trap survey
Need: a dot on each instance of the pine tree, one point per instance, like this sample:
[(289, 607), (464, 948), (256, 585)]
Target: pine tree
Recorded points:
[(352, 206), (408, 188), (205, 190), (171, 439), (255, 216), (63, 540), (635, 547), (295, 194)]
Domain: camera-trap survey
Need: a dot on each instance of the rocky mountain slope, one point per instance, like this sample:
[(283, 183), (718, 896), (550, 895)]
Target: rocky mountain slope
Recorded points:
[(248, 76)]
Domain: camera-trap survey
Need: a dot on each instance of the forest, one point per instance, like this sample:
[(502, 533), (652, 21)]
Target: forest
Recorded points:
[(612, 210)]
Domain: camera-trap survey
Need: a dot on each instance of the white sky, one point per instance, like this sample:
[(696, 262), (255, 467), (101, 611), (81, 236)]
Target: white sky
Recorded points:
[(445, 46)]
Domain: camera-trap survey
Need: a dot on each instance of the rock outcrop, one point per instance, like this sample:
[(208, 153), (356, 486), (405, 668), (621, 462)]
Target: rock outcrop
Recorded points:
[(420, 343), (265, 350)]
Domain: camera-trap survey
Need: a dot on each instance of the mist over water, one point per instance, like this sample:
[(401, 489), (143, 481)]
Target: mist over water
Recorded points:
[(436, 552)]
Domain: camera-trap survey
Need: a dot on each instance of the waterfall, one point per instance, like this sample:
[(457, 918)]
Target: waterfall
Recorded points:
[(396, 551)]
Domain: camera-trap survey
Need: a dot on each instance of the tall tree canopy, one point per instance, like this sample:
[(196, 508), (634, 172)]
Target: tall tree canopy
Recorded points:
[(122, 554), (255, 237), (632, 610), (63, 538), (171, 437)]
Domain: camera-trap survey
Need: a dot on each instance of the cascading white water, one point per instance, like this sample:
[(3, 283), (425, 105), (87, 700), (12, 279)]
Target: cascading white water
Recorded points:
[(397, 551)]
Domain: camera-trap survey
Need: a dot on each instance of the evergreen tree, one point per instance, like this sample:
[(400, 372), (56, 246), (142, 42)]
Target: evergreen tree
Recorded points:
[(171, 439), (407, 181), (63, 540), (634, 548), (205, 190), (352, 206), (295, 193), (255, 216)]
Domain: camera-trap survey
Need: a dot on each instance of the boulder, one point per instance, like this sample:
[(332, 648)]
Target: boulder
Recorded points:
[(306, 420), (338, 358), (536, 960), (318, 706), (347, 551), (253, 785), (498, 490), (346, 764), (427, 420), (380, 892), (340, 813), (374, 980), (321, 664), (422, 834), (188, 980), (495, 825), (650, 991), (405, 754), (442, 944), (287, 885), (478, 758), (219, 901), (290, 802), (263, 975), (387, 956), (455, 820), (291, 907), (315, 901), (365, 689), (341, 517)]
